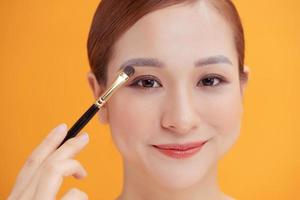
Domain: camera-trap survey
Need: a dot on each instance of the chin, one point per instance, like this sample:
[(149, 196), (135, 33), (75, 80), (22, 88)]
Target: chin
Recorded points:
[(180, 181), (175, 174)]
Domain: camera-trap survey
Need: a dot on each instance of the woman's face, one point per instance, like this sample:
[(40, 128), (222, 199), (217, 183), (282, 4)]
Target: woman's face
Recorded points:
[(193, 94)]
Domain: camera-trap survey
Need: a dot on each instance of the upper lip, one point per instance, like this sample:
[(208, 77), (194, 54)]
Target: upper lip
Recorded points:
[(180, 147)]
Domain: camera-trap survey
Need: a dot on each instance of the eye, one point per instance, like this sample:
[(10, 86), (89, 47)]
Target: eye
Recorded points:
[(146, 82), (211, 81)]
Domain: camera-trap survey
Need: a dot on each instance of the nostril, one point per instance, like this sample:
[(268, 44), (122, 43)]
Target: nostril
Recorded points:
[(181, 121), (180, 130)]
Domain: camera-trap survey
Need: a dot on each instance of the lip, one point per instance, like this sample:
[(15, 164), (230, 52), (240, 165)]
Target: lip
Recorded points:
[(180, 151)]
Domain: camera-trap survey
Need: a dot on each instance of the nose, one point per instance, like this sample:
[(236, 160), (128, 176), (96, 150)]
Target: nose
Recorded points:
[(180, 115)]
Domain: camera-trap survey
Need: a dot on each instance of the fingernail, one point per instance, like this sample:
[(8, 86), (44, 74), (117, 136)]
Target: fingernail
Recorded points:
[(56, 132), (61, 127), (84, 137)]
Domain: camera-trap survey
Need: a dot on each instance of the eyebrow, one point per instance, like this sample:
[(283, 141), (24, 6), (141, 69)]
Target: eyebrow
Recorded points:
[(153, 62)]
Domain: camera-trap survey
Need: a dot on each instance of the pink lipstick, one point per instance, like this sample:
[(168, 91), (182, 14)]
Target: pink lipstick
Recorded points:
[(180, 151)]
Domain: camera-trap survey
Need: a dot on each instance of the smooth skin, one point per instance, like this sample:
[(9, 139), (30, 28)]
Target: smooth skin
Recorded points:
[(44, 170), (178, 109), (173, 105)]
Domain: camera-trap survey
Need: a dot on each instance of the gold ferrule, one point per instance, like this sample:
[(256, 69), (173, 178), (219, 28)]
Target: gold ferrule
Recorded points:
[(121, 79), (99, 103)]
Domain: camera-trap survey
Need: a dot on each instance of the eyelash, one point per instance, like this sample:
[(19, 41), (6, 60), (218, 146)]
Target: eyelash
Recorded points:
[(138, 80)]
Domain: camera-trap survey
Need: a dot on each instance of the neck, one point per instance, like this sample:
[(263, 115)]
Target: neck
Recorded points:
[(138, 186)]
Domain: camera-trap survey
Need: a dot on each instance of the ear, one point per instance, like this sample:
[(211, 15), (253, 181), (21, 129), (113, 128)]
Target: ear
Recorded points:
[(244, 79), (97, 90)]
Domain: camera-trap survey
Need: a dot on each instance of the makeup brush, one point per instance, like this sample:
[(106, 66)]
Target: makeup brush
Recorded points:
[(123, 76)]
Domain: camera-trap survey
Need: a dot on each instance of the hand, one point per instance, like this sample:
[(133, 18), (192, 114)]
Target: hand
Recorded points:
[(43, 173)]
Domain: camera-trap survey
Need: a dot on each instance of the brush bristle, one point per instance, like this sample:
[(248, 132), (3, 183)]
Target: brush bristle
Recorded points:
[(129, 70)]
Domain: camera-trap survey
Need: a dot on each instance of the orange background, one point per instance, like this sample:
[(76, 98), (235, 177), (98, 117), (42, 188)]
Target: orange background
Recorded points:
[(43, 63)]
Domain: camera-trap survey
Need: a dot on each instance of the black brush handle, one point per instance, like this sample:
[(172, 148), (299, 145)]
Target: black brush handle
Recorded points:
[(81, 122)]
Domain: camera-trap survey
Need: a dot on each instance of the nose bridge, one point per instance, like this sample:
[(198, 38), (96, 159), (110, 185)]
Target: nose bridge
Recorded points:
[(180, 114)]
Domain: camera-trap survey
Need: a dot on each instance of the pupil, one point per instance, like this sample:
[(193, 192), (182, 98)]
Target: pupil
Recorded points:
[(148, 83), (208, 81)]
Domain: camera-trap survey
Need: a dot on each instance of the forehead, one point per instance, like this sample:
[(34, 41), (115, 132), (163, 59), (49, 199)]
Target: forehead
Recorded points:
[(177, 34)]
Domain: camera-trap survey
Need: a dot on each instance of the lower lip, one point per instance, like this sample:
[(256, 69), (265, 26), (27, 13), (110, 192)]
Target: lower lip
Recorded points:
[(180, 154)]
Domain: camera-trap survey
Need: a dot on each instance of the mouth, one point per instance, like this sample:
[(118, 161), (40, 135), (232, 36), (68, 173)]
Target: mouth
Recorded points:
[(180, 151)]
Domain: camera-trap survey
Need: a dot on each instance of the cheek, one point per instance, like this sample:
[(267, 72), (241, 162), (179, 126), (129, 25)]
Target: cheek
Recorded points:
[(223, 108), (224, 114), (131, 121)]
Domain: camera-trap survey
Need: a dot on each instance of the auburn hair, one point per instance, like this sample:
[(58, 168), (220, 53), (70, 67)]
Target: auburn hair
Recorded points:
[(114, 17)]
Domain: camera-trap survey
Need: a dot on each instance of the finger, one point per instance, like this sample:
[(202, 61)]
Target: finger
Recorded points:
[(71, 147), (52, 177), (75, 194), (48, 145), (28, 193)]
